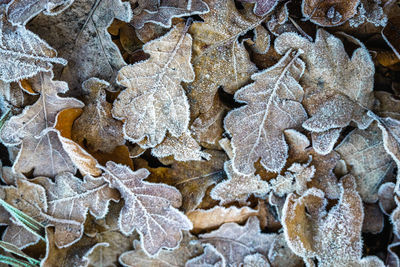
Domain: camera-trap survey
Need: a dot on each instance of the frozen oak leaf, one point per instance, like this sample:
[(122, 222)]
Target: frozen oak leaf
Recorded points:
[(150, 209), (210, 258), (365, 156), (154, 100), (281, 255), (329, 13), (262, 7), (21, 11), (369, 11), (235, 242), (333, 237), (162, 12), (272, 106), (386, 197), (69, 199), (239, 187), (218, 57), (104, 135), (338, 88), (79, 34), (22, 53), (41, 148), (189, 247)]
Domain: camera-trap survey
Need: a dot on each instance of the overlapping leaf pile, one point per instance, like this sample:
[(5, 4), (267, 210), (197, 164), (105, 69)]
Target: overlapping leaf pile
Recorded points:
[(200, 133)]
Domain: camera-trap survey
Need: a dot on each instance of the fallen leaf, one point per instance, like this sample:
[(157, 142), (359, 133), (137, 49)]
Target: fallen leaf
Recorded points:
[(391, 34), (210, 258), (65, 120), (154, 101), (106, 134), (369, 11), (119, 155), (235, 242), (281, 255), (23, 54), (13, 98), (162, 12), (373, 219), (386, 198), (262, 7), (275, 93), (255, 260), (338, 89), (329, 13), (149, 208)]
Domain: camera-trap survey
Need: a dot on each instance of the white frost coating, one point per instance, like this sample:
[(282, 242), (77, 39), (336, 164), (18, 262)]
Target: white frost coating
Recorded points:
[(273, 105), (154, 101), (210, 258)]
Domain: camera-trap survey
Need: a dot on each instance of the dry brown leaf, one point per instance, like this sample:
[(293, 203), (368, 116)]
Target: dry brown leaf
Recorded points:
[(119, 155), (218, 58), (13, 98), (41, 147), (273, 105), (65, 120), (154, 101), (391, 34), (329, 13), (367, 160), (162, 12), (369, 11), (333, 237), (281, 255), (262, 7), (386, 198), (106, 133), (338, 89), (80, 35), (188, 248), (149, 208), (373, 219), (210, 258)]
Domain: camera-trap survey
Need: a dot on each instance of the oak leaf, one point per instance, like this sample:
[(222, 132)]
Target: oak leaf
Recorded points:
[(386, 197), (154, 101), (162, 12), (210, 258), (22, 53), (338, 88), (281, 255), (262, 7), (150, 209), (369, 11), (272, 106)]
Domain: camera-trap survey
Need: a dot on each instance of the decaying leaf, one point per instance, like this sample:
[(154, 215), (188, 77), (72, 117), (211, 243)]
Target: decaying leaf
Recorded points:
[(373, 219), (281, 255), (149, 208), (22, 53), (338, 89), (386, 198), (21, 11), (162, 12), (333, 237), (235, 242), (79, 34), (106, 133), (262, 7), (218, 58), (154, 101), (329, 13), (391, 36), (189, 248), (273, 105), (369, 11), (210, 258), (41, 148), (367, 160)]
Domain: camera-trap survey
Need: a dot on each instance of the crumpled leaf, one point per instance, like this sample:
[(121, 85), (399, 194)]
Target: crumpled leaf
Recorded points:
[(210, 258), (154, 101), (80, 35), (41, 148), (338, 89), (367, 160), (21, 11), (149, 208), (104, 135), (333, 237), (386, 198), (262, 7), (329, 13), (273, 105), (235, 242), (69, 199), (188, 248), (281, 255), (22, 53), (369, 11), (219, 60), (162, 12), (239, 187)]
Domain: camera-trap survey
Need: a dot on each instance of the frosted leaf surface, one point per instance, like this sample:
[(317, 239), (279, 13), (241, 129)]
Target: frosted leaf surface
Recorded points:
[(281, 255), (210, 258), (338, 88), (333, 237), (365, 156), (106, 133), (262, 7), (154, 101), (79, 34), (272, 105), (386, 197), (239, 187), (69, 199), (219, 60), (41, 149), (255, 260), (162, 12), (22, 53), (369, 11), (235, 242), (21, 11), (150, 209)]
